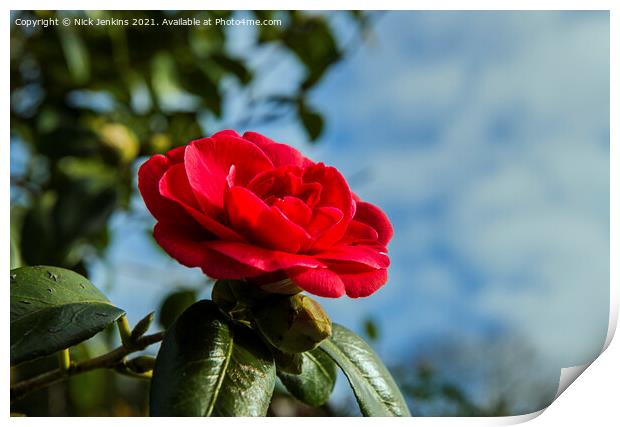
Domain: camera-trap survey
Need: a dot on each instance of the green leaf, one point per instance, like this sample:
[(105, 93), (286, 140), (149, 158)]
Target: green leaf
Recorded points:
[(316, 382), (287, 362), (206, 366), (53, 309), (311, 39), (375, 390), (76, 55), (371, 329), (16, 258), (312, 121), (234, 66), (16, 220), (175, 304)]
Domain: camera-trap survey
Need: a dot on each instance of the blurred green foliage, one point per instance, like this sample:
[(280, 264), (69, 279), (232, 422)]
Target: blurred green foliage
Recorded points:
[(430, 395)]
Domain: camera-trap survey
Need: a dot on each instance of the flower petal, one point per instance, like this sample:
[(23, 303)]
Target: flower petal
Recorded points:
[(359, 232), (224, 132), (149, 175), (260, 258), (295, 210), (186, 245), (362, 284), (368, 213), (266, 226), (175, 186), (208, 162), (355, 254), (324, 219), (335, 194), (318, 281), (280, 154)]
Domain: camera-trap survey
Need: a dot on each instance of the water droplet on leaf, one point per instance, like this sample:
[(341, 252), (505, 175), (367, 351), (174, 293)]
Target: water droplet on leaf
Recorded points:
[(52, 276), (25, 302)]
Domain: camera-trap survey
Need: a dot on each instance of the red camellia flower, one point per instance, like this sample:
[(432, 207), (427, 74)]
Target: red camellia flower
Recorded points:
[(246, 207)]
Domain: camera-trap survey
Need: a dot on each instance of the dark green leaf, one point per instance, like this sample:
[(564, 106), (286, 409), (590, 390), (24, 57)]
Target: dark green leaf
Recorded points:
[(375, 390), (234, 66), (206, 367), (287, 362), (312, 121), (175, 304), (53, 309), (371, 329), (16, 258), (316, 382), (317, 52), (37, 232)]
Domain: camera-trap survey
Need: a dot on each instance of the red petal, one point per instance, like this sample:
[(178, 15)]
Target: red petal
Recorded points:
[(176, 155), (357, 254), (224, 132), (263, 224), (149, 175), (363, 284), (175, 186), (335, 193), (185, 244), (368, 213), (208, 162), (359, 232), (263, 259), (295, 210), (323, 219), (280, 154), (317, 281)]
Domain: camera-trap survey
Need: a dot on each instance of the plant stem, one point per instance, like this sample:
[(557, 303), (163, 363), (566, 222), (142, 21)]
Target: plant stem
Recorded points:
[(64, 360), (108, 360)]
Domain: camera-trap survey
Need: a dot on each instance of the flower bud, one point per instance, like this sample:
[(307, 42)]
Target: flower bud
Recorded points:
[(293, 324), (142, 326)]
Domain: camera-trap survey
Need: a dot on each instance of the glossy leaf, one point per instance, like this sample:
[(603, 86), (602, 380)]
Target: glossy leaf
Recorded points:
[(317, 379), (375, 390), (53, 309), (290, 363), (208, 367)]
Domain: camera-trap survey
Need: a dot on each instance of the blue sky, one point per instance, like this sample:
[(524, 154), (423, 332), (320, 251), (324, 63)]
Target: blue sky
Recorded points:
[(485, 137)]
